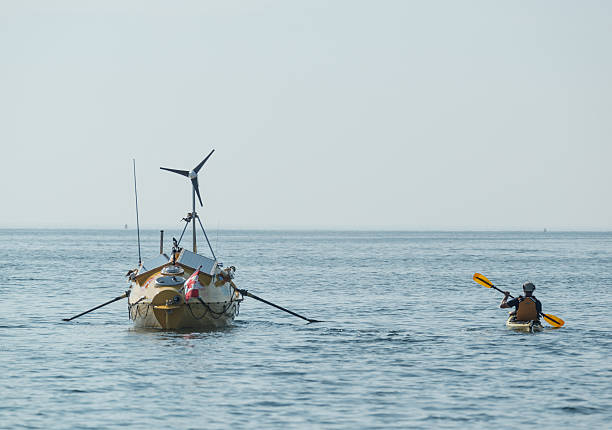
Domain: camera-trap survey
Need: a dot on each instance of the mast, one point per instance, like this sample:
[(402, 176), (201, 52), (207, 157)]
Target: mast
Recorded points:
[(137, 221), (193, 217)]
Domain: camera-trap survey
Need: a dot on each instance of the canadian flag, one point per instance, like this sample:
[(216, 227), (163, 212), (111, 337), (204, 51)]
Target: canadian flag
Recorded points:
[(192, 286)]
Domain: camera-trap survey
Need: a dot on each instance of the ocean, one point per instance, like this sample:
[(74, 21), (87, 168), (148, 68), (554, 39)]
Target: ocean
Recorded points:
[(408, 339)]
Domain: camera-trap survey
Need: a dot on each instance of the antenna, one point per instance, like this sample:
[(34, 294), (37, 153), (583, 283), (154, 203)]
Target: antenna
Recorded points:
[(137, 221), (195, 189)]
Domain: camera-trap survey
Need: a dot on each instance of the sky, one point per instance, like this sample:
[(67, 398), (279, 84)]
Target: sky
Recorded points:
[(415, 115)]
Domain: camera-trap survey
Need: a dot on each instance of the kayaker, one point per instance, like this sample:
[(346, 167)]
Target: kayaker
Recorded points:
[(528, 308)]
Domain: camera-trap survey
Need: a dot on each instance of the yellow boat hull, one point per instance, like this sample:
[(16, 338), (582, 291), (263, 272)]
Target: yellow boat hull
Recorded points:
[(151, 304), (186, 316)]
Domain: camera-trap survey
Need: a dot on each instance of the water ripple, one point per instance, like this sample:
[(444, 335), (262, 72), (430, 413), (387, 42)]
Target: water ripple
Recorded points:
[(409, 340)]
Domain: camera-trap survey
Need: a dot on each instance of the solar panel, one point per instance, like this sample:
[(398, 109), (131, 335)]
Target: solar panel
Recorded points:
[(190, 259), (154, 263)]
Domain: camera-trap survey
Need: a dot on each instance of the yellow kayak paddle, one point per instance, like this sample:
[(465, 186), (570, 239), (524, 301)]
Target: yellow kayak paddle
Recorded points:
[(550, 319)]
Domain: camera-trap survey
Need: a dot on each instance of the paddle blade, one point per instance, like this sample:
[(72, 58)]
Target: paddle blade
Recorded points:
[(553, 320), (482, 280)]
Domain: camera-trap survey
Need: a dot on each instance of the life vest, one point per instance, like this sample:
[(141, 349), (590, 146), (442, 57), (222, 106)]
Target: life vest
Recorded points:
[(527, 310)]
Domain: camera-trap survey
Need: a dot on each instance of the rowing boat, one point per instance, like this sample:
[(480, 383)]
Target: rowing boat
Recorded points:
[(183, 290), (159, 293)]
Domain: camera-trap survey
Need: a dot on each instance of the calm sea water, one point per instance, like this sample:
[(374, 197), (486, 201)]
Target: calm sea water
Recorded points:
[(409, 340)]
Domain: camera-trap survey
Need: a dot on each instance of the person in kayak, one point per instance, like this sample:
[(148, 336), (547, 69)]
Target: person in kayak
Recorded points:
[(528, 308)]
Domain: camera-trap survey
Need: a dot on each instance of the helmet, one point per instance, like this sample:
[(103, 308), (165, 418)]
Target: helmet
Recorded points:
[(528, 286)]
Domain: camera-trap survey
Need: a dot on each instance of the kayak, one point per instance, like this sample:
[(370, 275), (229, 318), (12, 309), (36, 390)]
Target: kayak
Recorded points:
[(527, 326)]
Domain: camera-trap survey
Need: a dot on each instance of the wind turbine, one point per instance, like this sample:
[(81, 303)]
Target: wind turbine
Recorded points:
[(195, 189)]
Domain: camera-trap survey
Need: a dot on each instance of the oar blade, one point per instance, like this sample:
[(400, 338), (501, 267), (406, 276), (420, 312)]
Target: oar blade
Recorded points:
[(482, 280), (553, 320)]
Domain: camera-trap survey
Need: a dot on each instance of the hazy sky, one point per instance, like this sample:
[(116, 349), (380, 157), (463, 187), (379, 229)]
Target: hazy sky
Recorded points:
[(323, 114)]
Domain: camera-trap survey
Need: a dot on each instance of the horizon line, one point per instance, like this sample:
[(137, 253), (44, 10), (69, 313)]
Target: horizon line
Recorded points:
[(565, 229)]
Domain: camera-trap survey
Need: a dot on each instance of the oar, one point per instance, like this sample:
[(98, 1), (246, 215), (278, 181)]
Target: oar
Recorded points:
[(246, 293), (123, 296), (551, 319)]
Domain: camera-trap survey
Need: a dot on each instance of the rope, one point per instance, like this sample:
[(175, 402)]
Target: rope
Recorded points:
[(137, 312), (216, 315), (207, 309)]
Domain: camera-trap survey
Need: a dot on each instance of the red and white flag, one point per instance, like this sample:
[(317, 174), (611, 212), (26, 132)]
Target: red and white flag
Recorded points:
[(192, 286)]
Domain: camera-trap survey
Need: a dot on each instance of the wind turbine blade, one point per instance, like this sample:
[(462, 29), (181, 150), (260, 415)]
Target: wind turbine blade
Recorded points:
[(180, 172), (194, 182), (199, 166)]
